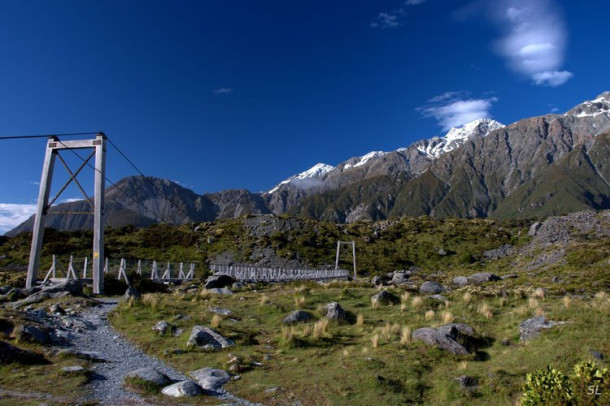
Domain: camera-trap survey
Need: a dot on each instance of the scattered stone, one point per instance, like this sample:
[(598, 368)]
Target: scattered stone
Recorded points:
[(182, 389), (221, 291), (378, 281), (272, 390), (467, 383), (400, 278), (210, 378), (461, 281), (130, 293), (149, 375), (73, 370), (91, 356), (218, 282), (482, 277), (162, 327), (385, 298), (500, 252), (297, 316), (56, 309), (438, 298), (208, 339), (35, 298), (441, 252), (597, 355), (531, 328), (10, 354), (218, 310), (431, 288), (509, 276), (334, 311), (534, 229), (72, 286)]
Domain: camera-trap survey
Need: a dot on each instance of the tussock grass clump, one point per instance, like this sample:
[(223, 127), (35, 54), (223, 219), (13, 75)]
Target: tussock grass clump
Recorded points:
[(539, 293), (532, 302), (264, 300), (360, 319), (151, 300), (374, 303), (447, 317), (485, 310), (430, 315), (567, 301), (467, 297), (299, 302), (403, 307), (417, 302), (216, 320), (404, 298), (375, 340), (539, 311), (320, 329), (405, 335), (389, 330)]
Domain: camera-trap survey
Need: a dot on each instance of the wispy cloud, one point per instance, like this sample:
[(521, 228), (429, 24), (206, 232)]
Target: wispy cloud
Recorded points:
[(534, 39), (453, 109), (223, 90), (390, 19), (414, 2), (11, 215)]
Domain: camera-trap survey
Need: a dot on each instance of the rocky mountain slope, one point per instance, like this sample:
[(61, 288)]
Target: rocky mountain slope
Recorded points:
[(539, 166)]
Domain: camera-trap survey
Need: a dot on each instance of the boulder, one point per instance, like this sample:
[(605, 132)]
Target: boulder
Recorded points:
[(130, 293), (467, 383), (438, 298), (461, 281), (385, 298), (10, 354), (208, 339), (378, 280), (162, 327), (500, 252), (297, 316), (56, 309), (183, 389), (482, 277), (210, 378), (32, 334), (72, 286), (334, 311), (221, 291), (452, 337), (431, 288), (400, 278), (531, 328), (218, 281), (534, 229), (149, 375)]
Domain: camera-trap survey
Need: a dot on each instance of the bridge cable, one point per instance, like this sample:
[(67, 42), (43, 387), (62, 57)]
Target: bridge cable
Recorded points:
[(21, 137)]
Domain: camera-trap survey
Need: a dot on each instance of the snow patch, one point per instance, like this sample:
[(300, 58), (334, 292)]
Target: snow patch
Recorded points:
[(307, 178), (359, 161)]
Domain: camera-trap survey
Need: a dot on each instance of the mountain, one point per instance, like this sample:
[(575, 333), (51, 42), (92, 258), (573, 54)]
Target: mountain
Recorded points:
[(539, 166)]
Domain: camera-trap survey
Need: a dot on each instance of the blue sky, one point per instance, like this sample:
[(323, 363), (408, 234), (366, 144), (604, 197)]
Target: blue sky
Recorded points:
[(242, 94)]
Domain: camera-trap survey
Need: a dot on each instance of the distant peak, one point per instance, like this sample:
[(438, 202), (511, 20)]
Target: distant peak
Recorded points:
[(361, 160), (306, 178)]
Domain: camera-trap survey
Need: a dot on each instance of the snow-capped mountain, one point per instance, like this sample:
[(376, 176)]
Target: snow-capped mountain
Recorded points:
[(592, 108), (306, 179), (455, 137), (362, 160)]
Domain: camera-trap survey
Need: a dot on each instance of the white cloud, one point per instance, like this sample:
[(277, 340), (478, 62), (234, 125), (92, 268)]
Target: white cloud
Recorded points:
[(391, 19), (223, 90), (414, 2), (534, 39), (11, 215), (552, 79), (453, 109)]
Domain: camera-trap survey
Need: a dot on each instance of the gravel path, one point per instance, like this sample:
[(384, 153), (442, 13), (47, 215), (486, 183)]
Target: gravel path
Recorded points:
[(106, 386)]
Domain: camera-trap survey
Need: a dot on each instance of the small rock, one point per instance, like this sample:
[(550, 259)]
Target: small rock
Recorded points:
[(400, 278), (91, 356), (482, 277), (597, 355), (56, 309), (220, 291), (217, 310), (74, 369), (32, 334), (149, 375), (509, 276), (461, 281), (531, 328), (378, 281), (534, 229), (210, 378), (385, 298), (181, 389), (438, 298), (130, 293), (208, 339), (162, 327), (297, 316), (431, 288), (466, 382), (334, 311)]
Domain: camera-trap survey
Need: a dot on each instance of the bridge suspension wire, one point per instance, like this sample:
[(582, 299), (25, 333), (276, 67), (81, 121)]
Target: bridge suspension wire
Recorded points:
[(157, 217), (160, 190)]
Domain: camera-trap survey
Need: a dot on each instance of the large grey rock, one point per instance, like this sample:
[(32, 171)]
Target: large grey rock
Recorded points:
[(220, 291), (467, 383), (32, 334), (218, 281), (297, 316), (431, 288), (400, 278), (534, 229), (210, 378), (482, 277), (208, 339), (149, 375), (72, 286), (181, 389), (385, 298), (461, 281), (334, 311), (531, 328), (453, 337), (500, 252), (131, 293)]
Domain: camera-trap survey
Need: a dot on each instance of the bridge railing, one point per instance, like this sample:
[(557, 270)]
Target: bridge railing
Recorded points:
[(252, 273)]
